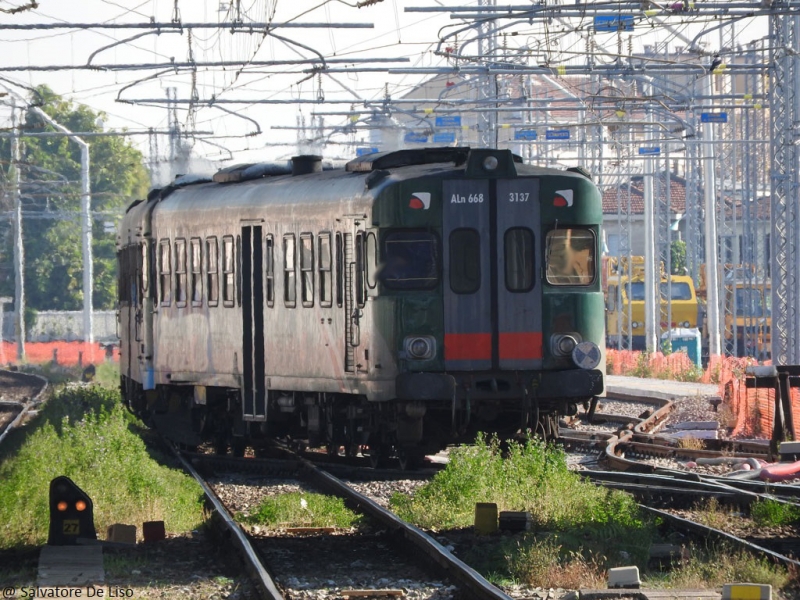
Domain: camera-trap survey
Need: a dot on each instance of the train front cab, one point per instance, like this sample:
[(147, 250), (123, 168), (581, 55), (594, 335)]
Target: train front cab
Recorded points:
[(522, 320)]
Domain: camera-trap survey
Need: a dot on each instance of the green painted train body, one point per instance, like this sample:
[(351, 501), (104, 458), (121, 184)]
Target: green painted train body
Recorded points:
[(395, 306)]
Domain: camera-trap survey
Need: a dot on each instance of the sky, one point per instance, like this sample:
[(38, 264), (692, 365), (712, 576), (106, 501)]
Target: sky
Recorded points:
[(245, 130)]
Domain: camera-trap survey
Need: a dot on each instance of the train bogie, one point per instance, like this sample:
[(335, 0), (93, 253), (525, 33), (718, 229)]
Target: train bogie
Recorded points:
[(400, 304)]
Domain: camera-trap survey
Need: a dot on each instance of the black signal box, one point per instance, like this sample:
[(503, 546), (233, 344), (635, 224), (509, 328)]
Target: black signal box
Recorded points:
[(71, 513)]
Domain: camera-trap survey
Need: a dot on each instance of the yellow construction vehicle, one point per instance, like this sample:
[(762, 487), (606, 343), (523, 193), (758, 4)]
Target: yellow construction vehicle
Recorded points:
[(746, 314), (625, 292)]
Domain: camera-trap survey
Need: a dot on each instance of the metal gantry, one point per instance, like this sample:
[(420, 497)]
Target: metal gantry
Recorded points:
[(611, 99)]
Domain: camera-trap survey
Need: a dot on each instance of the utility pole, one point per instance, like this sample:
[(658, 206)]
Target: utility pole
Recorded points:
[(712, 259), (86, 226), (19, 250)]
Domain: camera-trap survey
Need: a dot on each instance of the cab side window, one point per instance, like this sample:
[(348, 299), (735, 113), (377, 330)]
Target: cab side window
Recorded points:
[(164, 272)]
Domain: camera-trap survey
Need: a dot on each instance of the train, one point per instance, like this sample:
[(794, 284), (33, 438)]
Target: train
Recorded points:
[(390, 307)]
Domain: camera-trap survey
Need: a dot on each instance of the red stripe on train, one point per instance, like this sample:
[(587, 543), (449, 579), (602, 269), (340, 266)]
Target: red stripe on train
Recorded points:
[(521, 345), (468, 346)]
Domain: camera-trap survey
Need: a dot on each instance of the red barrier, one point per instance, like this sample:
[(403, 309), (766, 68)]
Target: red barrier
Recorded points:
[(71, 354)]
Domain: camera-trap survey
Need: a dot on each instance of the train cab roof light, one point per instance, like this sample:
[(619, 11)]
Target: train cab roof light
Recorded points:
[(486, 162)]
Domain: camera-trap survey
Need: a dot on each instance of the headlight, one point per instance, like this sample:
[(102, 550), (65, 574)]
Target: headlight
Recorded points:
[(562, 344), (586, 355), (685, 324), (635, 324), (419, 347)]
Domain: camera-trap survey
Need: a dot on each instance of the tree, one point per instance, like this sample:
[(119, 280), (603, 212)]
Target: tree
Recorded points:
[(51, 195), (678, 257)]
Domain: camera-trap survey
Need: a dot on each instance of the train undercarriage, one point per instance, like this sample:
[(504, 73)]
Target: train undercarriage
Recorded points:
[(344, 424)]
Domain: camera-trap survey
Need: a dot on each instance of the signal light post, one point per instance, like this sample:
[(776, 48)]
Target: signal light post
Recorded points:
[(71, 513)]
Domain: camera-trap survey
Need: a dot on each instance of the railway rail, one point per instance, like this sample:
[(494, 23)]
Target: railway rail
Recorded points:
[(446, 566), (21, 392)]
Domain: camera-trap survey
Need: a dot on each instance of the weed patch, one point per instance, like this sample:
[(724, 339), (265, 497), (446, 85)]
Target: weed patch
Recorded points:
[(774, 514), (302, 509), (87, 435), (717, 565)]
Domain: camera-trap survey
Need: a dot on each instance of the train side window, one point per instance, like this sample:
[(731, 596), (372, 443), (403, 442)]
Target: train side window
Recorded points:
[(289, 288), (238, 270), (519, 259), (165, 272), (324, 243), (196, 268), (270, 268), (612, 297), (145, 267), (339, 270), (212, 274), (307, 269), (180, 272), (228, 274), (465, 261), (361, 251), (410, 260), (570, 256)]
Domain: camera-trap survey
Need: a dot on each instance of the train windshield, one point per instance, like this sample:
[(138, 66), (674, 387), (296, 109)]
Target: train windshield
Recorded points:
[(410, 260), (679, 291), (570, 257)]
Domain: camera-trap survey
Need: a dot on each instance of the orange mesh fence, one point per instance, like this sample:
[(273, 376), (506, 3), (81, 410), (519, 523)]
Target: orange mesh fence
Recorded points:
[(70, 354), (749, 412)]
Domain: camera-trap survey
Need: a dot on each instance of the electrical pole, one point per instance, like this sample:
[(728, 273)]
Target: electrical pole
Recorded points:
[(19, 250)]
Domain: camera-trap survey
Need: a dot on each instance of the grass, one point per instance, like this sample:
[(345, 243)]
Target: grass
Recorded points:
[(714, 566), (302, 509), (579, 530), (86, 434), (587, 521), (769, 513)]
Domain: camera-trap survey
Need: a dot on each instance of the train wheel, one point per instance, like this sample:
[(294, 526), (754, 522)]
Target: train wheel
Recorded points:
[(377, 456), (410, 458), (237, 446)]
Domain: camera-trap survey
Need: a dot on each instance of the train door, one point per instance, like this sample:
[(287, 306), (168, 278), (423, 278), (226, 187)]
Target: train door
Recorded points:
[(254, 406), (351, 257), (492, 300)]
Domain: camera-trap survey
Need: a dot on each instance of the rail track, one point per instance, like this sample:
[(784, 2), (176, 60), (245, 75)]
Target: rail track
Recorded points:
[(407, 543), (19, 394)]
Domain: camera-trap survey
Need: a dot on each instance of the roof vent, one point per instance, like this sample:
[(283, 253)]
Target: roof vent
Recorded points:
[(306, 163)]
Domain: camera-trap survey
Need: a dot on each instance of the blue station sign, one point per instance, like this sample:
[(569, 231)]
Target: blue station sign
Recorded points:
[(448, 121), (415, 138), (557, 134), (613, 23), (525, 134), (364, 151), (444, 138), (714, 117), (649, 150)]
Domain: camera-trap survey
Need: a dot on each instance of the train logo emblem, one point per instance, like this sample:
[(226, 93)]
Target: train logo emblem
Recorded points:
[(420, 200), (563, 198)]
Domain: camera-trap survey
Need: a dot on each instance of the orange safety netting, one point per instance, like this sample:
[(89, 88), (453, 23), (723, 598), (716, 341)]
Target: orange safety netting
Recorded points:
[(748, 412), (63, 353)]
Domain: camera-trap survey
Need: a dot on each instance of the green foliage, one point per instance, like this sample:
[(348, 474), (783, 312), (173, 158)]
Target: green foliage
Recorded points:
[(85, 434), (772, 513), (530, 476), (302, 509), (677, 251), (642, 368), (51, 197), (715, 566)]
